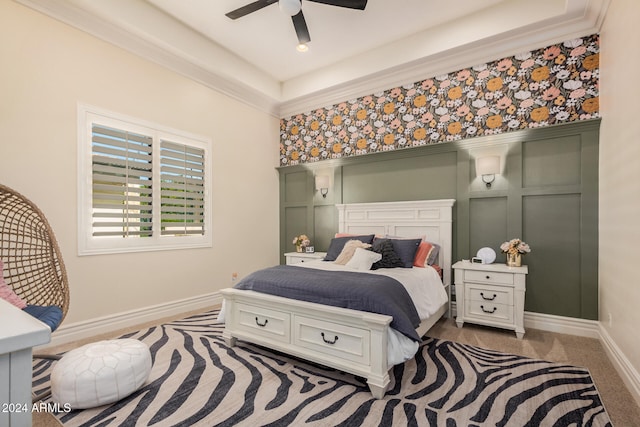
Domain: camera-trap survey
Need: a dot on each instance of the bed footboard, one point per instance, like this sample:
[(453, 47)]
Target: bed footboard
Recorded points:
[(349, 340)]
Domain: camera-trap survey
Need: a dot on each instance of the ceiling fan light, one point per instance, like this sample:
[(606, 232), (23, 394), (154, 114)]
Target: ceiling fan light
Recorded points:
[(290, 7)]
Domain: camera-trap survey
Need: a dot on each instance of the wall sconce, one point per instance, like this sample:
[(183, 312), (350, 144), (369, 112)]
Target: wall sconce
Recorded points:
[(488, 167), (322, 185)]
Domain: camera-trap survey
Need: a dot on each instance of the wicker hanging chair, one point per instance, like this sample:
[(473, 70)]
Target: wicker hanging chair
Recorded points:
[(33, 265)]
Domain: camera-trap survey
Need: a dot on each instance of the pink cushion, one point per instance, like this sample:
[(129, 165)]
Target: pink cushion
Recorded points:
[(424, 249), (343, 235), (6, 293)]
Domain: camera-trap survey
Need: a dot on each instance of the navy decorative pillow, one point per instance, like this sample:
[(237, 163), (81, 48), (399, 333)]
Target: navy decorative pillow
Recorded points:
[(406, 250), (337, 244), (389, 257)]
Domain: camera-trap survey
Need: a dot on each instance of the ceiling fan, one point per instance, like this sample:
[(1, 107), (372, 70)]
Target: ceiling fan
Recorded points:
[(293, 9)]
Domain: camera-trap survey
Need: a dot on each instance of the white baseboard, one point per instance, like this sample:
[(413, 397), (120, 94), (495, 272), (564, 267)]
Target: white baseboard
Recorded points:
[(80, 330), (627, 372), (562, 325)]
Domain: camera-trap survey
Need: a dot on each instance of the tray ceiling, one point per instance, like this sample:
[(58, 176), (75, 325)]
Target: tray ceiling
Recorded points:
[(351, 52)]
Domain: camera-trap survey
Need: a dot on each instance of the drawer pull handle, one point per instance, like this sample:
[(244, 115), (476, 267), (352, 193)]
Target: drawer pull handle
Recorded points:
[(488, 311), (335, 338), (262, 325), (487, 277), (487, 299)]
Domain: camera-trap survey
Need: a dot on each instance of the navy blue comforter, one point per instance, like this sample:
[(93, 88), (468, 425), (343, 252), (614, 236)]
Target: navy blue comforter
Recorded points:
[(357, 291)]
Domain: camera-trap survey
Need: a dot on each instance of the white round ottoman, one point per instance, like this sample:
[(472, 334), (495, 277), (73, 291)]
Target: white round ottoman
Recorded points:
[(100, 373)]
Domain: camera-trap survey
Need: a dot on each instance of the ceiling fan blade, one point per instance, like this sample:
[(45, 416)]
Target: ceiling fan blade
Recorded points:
[(301, 28), (351, 4), (249, 8)]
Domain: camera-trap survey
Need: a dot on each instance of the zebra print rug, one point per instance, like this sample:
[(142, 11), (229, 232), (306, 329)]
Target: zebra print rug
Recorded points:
[(197, 380)]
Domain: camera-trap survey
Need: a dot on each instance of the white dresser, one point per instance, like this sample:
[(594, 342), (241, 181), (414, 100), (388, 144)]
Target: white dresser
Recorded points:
[(490, 294), (19, 332), (297, 257)]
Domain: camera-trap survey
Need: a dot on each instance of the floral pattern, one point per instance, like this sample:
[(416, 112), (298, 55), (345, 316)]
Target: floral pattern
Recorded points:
[(556, 84)]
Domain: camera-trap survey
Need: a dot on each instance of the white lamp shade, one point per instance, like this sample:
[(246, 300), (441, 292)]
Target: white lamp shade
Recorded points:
[(290, 7), (489, 165), (322, 181)]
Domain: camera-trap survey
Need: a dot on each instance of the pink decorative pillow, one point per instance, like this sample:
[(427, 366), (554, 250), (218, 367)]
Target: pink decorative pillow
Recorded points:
[(6, 293), (422, 254)]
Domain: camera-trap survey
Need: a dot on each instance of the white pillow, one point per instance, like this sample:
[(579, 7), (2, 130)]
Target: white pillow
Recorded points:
[(363, 259)]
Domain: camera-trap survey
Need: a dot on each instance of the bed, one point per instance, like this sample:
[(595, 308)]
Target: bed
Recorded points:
[(344, 338)]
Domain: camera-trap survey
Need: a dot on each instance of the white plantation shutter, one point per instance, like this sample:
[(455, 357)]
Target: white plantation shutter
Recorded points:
[(142, 187), (182, 189), (122, 183)]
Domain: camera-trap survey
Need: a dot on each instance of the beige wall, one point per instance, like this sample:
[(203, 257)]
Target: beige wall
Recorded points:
[(46, 68), (620, 179)]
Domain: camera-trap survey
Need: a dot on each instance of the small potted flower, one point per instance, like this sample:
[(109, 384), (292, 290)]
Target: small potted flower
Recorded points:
[(514, 249), (301, 242)]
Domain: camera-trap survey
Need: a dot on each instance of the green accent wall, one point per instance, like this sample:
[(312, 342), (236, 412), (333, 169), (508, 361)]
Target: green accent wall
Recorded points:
[(546, 194)]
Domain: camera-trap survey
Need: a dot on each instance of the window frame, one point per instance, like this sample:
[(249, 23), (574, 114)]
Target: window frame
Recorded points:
[(90, 245)]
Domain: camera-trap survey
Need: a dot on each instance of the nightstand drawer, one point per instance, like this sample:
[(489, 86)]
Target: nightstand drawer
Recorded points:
[(273, 324), (488, 277), (489, 294), (301, 257), (298, 259), (489, 310)]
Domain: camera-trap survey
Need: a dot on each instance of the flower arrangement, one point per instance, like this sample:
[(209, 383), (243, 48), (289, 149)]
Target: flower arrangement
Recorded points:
[(514, 249), (301, 241), (514, 246)]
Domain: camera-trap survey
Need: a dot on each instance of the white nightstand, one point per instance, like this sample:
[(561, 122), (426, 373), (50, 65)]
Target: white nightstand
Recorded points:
[(298, 257), (490, 294)]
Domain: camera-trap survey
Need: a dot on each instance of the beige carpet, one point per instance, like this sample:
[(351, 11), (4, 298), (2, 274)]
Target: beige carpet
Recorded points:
[(537, 344)]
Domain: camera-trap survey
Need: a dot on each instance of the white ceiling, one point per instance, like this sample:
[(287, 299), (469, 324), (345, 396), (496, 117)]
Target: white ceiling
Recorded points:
[(351, 52), (267, 39)]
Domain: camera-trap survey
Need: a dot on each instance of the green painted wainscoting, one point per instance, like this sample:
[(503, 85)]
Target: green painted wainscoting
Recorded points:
[(546, 194)]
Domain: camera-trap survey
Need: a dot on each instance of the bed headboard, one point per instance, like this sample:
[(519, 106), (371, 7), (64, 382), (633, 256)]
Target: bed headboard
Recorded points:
[(430, 218)]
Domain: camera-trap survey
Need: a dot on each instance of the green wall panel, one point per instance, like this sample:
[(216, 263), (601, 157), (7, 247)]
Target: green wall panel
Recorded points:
[(414, 178), (296, 187), (555, 161), (296, 223), (324, 227), (487, 224), (547, 194), (552, 229)]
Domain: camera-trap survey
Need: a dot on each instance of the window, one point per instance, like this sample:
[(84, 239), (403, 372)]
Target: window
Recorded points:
[(142, 186)]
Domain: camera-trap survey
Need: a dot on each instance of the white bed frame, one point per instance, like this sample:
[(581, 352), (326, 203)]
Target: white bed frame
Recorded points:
[(348, 340)]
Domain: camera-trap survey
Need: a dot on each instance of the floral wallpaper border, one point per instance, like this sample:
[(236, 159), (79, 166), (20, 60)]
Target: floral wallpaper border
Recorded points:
[(556, 84)]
